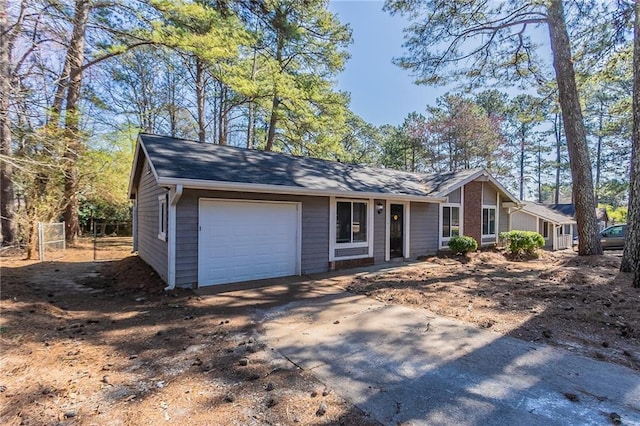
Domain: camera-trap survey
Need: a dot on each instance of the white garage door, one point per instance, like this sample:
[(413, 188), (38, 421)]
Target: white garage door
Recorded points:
[(247, 240)]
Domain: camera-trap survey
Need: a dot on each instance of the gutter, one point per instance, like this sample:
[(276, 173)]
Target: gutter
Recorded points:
[(174, 196), (289, 190)]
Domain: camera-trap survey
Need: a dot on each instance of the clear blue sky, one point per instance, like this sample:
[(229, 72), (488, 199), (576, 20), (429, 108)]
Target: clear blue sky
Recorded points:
[(381, 92)]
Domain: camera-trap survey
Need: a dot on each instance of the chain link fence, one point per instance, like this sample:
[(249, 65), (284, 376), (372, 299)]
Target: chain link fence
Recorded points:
[(51, 240)]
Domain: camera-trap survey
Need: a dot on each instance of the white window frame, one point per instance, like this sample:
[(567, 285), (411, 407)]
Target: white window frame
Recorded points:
[(495, 220), (162, 217), (445, 240), (351, 244), (333, 246)]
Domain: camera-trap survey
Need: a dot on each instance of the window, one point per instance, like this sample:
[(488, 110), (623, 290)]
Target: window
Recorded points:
[(351, 222), (162, 217), (545, 229), (488, 221), (450, 221)]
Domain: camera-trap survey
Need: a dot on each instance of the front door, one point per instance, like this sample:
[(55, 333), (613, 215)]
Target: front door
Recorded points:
[(396, 228)]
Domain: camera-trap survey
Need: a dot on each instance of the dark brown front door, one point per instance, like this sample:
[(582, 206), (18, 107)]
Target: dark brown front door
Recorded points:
[(395, 230)]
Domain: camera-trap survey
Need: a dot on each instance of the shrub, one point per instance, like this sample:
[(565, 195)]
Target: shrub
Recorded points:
[(462, 244), (522, 242)]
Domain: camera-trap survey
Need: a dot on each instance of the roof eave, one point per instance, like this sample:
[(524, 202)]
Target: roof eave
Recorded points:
[(289, 190), (136, 157)]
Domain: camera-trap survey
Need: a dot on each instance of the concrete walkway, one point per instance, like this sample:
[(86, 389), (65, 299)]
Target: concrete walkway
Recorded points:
[(407, 366)]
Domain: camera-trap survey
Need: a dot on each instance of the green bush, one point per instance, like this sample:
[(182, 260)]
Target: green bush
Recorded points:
[(522, 242), (462, 244)]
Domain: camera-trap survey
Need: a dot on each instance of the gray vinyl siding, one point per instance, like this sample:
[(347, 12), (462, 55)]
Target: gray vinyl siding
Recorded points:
[(379, 233), (455, 196), (151, 249), (488, 240), (521, 221), (424, 229), (489, 194), (503, 225), (352, 251), (315, 231)]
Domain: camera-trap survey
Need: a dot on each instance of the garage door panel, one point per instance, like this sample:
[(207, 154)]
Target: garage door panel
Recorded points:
[(240, 241)]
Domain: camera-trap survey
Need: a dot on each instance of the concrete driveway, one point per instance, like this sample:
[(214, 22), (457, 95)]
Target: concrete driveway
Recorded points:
[(410, 367)]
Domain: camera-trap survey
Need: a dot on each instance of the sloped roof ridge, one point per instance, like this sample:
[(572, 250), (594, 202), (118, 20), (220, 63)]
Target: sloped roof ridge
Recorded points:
[(422, 175)]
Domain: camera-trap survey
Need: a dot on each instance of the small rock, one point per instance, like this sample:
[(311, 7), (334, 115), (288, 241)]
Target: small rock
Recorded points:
[(270, 386), (160, 384), (605, 344), (487, 324), (314, 394), (336, 322), (133, 356), (229, 397), (546, 333), (251, 340), (139, 299), (322, 409), (571, 397), (243, 361), (326, 392), (254, 376), (106, 379), (271, 402), (615, 418), (2, 388), (70, 414)]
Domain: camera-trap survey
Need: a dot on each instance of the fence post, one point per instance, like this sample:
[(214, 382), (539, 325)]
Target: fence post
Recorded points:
[(95, 241), (40, 242), (64, 236)]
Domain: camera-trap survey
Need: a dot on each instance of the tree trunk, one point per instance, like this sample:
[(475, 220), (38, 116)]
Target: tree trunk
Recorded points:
[(279, 21), (631, 255), (222, 117), (557, 127), (599, 152), (539, 171), (522, 142), (200, 99), (583, 196), (271, 135), (6, 170), (252, 106), (75, 54)]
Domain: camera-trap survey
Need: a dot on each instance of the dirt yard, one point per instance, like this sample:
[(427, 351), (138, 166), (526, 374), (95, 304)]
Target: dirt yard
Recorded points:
[(86, 342)]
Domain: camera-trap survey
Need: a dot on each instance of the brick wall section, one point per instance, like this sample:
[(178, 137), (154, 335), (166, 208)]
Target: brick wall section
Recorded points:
[(472, 221)]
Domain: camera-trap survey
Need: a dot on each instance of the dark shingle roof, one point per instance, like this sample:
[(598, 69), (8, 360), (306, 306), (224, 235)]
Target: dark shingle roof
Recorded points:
[(178, 159)]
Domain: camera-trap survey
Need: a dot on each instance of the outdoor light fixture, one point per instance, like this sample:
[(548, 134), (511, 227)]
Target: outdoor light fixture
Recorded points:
[(379, 207)]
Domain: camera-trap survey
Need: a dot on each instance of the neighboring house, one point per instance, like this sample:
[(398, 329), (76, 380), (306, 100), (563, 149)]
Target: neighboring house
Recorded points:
[(207, 214), (570, 210), (556, 228)]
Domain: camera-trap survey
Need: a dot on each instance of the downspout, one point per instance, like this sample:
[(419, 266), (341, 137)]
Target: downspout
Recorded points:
[(174, 196)]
